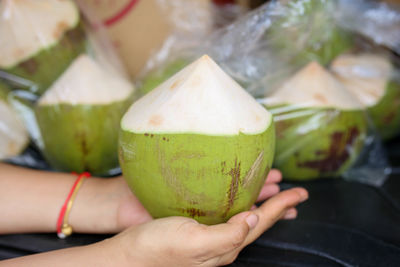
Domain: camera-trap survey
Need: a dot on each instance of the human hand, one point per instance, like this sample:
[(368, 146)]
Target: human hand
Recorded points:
[(179, 241), (108, 205)]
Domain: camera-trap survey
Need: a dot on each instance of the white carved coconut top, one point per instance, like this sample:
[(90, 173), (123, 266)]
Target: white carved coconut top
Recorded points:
[(28, 26), (13, 135), (86, 82), (199, 99), (313, 86), (365, 75)]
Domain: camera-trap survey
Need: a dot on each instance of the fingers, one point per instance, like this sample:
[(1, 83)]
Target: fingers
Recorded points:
[(274, 176), (270, 187), (274, 209), (223, 238), (290, 214), (268, 191)]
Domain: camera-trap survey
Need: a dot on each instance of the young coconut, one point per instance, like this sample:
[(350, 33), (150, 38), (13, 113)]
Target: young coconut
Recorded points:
[(320, 127), (13, 134), (79, 117), (39, 39), (198, 145), (369, 78)]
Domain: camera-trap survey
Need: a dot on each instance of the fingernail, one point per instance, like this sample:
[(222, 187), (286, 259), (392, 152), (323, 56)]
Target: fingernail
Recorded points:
[(290, 214), (303, 195), (252, 220)]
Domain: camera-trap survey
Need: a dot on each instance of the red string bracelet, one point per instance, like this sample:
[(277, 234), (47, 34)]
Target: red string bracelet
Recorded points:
[(124, 11), (63, 228)]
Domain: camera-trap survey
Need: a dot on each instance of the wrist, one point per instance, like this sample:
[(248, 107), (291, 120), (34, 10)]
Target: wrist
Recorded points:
[(95, 207)]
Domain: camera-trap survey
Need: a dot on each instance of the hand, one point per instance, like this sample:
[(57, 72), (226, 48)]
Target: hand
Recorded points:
[(179, 241), (108, 205)]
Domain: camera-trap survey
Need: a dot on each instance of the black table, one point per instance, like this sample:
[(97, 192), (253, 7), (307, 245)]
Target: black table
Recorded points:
[(342, 224)]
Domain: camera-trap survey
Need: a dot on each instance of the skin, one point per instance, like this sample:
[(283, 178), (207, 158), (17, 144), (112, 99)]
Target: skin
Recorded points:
[(108, 206)]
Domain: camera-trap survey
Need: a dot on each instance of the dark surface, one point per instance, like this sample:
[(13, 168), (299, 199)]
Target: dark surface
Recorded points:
[(342, 224)]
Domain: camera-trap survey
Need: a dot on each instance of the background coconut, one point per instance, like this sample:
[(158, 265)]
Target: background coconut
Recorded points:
[(198, 146), (39, 39), (13, 134), (308, 32), (370, 78), (155, 77), (79, 118), (320, 127)]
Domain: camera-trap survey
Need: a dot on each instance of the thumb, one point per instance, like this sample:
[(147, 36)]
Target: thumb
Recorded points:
[(226, 237)]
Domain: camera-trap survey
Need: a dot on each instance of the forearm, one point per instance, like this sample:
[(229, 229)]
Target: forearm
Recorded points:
[(30, 201), (99, 254)]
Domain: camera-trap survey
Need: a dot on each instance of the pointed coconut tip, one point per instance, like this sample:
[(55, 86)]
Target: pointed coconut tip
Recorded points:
[(313, 86), (201, 99), (365, 75), (314, 68), (365, 66), (27, 27), (86, 82)]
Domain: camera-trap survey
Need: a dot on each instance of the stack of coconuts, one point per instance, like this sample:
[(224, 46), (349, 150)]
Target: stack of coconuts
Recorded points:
[(78, 103), (339, 97), (196, 144), (321, 115)]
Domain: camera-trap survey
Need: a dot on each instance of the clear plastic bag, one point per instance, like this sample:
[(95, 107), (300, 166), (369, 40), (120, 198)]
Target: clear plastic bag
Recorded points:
[(66, 84), (268, 47)]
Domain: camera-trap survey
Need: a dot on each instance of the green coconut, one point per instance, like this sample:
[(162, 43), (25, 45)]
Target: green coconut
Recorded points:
[(158, 76), (321, 128), (39, 39), (13, 134), (79, 118), (308, 32), (198, 145), (369, 78)]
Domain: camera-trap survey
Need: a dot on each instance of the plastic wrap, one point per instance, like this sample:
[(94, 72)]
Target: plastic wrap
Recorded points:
[(65, 84), (266, 49)]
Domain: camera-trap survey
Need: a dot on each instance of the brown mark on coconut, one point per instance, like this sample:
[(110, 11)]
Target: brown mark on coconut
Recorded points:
[(75, 35), (253, 170), (182, 154), (234, 186), (223, 165), (193, 212), (337, 153), (281, 127), (29, 66), (84, 148), (389, 117), (171, 177)]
